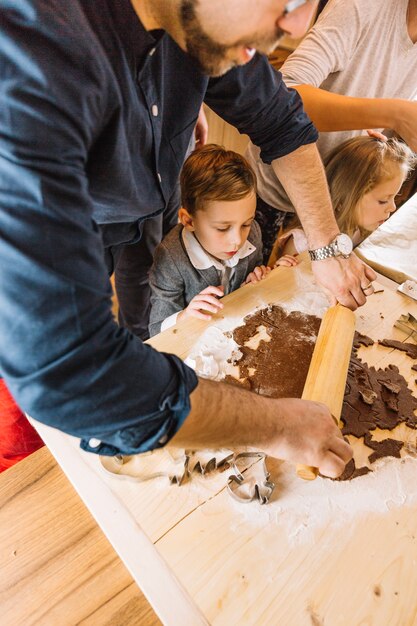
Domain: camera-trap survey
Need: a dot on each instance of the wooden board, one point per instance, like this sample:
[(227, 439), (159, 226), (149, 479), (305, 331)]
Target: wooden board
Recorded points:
[(57, 567), (235, 563)]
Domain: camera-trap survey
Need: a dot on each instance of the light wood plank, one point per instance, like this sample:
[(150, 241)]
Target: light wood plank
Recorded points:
[(57, 567), (251, 573)]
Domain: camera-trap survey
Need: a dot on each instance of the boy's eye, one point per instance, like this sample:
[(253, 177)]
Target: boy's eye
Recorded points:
[(246, 225), (382, 201), (223, 230)]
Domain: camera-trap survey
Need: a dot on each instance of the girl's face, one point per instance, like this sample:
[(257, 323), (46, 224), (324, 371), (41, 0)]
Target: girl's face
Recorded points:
[(222, 226), (377, 205)]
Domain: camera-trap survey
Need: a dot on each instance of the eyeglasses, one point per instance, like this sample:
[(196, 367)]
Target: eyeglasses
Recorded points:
[(294, 4)]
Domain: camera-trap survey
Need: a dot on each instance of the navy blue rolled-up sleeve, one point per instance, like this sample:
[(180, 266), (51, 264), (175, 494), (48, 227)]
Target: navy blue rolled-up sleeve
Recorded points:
[(64, 359), (255, 100)]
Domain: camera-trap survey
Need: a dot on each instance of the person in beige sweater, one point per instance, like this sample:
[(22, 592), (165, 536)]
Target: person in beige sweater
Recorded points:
[(351, 79)]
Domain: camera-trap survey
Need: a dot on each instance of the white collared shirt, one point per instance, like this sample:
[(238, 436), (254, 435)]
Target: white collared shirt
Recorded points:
[(202, 260)]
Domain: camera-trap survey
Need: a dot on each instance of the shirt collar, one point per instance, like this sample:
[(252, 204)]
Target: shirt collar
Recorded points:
[(135, 39), (202, 260)]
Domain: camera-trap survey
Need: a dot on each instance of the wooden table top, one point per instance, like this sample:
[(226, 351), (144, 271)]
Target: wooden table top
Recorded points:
[(201, 541), (57, 567)]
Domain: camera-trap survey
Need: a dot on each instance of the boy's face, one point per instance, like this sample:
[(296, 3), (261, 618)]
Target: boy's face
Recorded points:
[(377, 205), (222, 226)]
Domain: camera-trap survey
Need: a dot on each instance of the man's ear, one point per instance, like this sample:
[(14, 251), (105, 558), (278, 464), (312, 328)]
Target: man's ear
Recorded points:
[(186, 219)]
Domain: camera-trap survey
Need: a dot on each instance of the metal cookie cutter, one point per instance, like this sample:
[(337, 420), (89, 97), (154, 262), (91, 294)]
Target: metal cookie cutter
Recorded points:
[(203, 468), (179, 471), (117, 465), (241, 488), (407, 323)]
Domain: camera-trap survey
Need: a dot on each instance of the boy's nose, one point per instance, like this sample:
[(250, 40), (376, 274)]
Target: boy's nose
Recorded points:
[(235, 241)]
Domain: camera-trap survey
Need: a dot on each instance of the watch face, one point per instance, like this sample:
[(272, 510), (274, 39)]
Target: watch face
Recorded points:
[(344, 244)]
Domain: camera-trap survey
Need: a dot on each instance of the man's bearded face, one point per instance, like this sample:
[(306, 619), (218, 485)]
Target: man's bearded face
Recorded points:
[(216, 58)]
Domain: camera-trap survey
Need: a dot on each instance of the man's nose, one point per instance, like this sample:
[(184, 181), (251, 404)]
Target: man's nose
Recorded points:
[(296, 22)]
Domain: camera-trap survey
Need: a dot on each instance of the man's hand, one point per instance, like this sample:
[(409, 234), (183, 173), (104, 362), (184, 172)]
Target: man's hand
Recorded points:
[(206, 300), (258, 274), (201, 129), (309, 435), (348, 281), (377, 134)]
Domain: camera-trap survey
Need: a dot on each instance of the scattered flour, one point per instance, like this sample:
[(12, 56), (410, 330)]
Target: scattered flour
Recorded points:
[(301, 507)]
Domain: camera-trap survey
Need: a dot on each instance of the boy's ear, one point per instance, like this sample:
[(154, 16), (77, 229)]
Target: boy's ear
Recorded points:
[(186, 219)]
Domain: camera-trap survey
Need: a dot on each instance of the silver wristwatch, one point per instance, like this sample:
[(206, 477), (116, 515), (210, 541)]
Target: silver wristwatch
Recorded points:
[(340, 246)]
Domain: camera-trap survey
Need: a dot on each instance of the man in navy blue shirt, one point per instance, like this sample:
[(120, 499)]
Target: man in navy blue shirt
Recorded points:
[(98, 101)]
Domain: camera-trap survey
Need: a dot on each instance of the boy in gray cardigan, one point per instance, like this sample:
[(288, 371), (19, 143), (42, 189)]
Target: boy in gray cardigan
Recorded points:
[(217, 245)]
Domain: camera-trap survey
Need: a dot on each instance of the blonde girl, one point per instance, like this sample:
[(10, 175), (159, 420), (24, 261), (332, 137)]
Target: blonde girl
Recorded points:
[(364, 175)]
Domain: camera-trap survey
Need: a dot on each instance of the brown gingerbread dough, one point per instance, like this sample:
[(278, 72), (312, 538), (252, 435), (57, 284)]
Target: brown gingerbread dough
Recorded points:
[(409, 348), (281, 364), (374, 398)]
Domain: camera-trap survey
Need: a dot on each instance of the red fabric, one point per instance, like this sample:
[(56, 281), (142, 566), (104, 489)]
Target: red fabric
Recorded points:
[(18, 438)]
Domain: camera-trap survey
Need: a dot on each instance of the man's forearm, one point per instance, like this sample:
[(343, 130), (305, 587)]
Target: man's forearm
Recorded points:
[(335, 112), (302, 174), (224, 415)]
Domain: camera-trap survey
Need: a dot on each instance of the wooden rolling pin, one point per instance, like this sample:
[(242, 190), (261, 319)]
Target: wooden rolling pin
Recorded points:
[(326, 378)]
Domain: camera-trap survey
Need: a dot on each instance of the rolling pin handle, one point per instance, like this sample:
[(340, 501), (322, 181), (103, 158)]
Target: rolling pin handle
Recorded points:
[(306, 472), (327, 374)]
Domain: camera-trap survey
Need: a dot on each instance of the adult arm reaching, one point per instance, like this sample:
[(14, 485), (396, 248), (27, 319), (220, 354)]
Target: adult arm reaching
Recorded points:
[(298, 431), (335, 112), (302, 174)]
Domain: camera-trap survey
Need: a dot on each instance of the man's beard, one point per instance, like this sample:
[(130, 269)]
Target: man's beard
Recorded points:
[(211, 57)]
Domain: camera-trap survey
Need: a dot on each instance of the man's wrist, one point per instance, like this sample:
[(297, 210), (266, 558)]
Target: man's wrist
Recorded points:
[(341, 246), (323, 239)]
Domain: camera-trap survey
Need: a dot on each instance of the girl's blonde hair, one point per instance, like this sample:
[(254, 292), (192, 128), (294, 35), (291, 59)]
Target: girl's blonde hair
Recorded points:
[(356, 166)]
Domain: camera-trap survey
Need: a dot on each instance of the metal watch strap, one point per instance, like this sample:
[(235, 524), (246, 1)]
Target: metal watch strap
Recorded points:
[(326, 252)]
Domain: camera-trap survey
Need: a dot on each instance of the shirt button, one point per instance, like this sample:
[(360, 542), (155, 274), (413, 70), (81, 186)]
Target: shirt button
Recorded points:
[(154, 110), (159, 177), (94, 443), (151, 51), (163, 439)]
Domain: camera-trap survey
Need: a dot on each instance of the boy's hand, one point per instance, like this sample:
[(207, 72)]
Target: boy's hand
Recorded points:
[(206, 300), (287, 260), (258, 273)]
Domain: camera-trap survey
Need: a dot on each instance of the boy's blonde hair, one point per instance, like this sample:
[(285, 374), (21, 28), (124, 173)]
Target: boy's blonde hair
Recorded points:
[(213, 173), (356, 166)]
